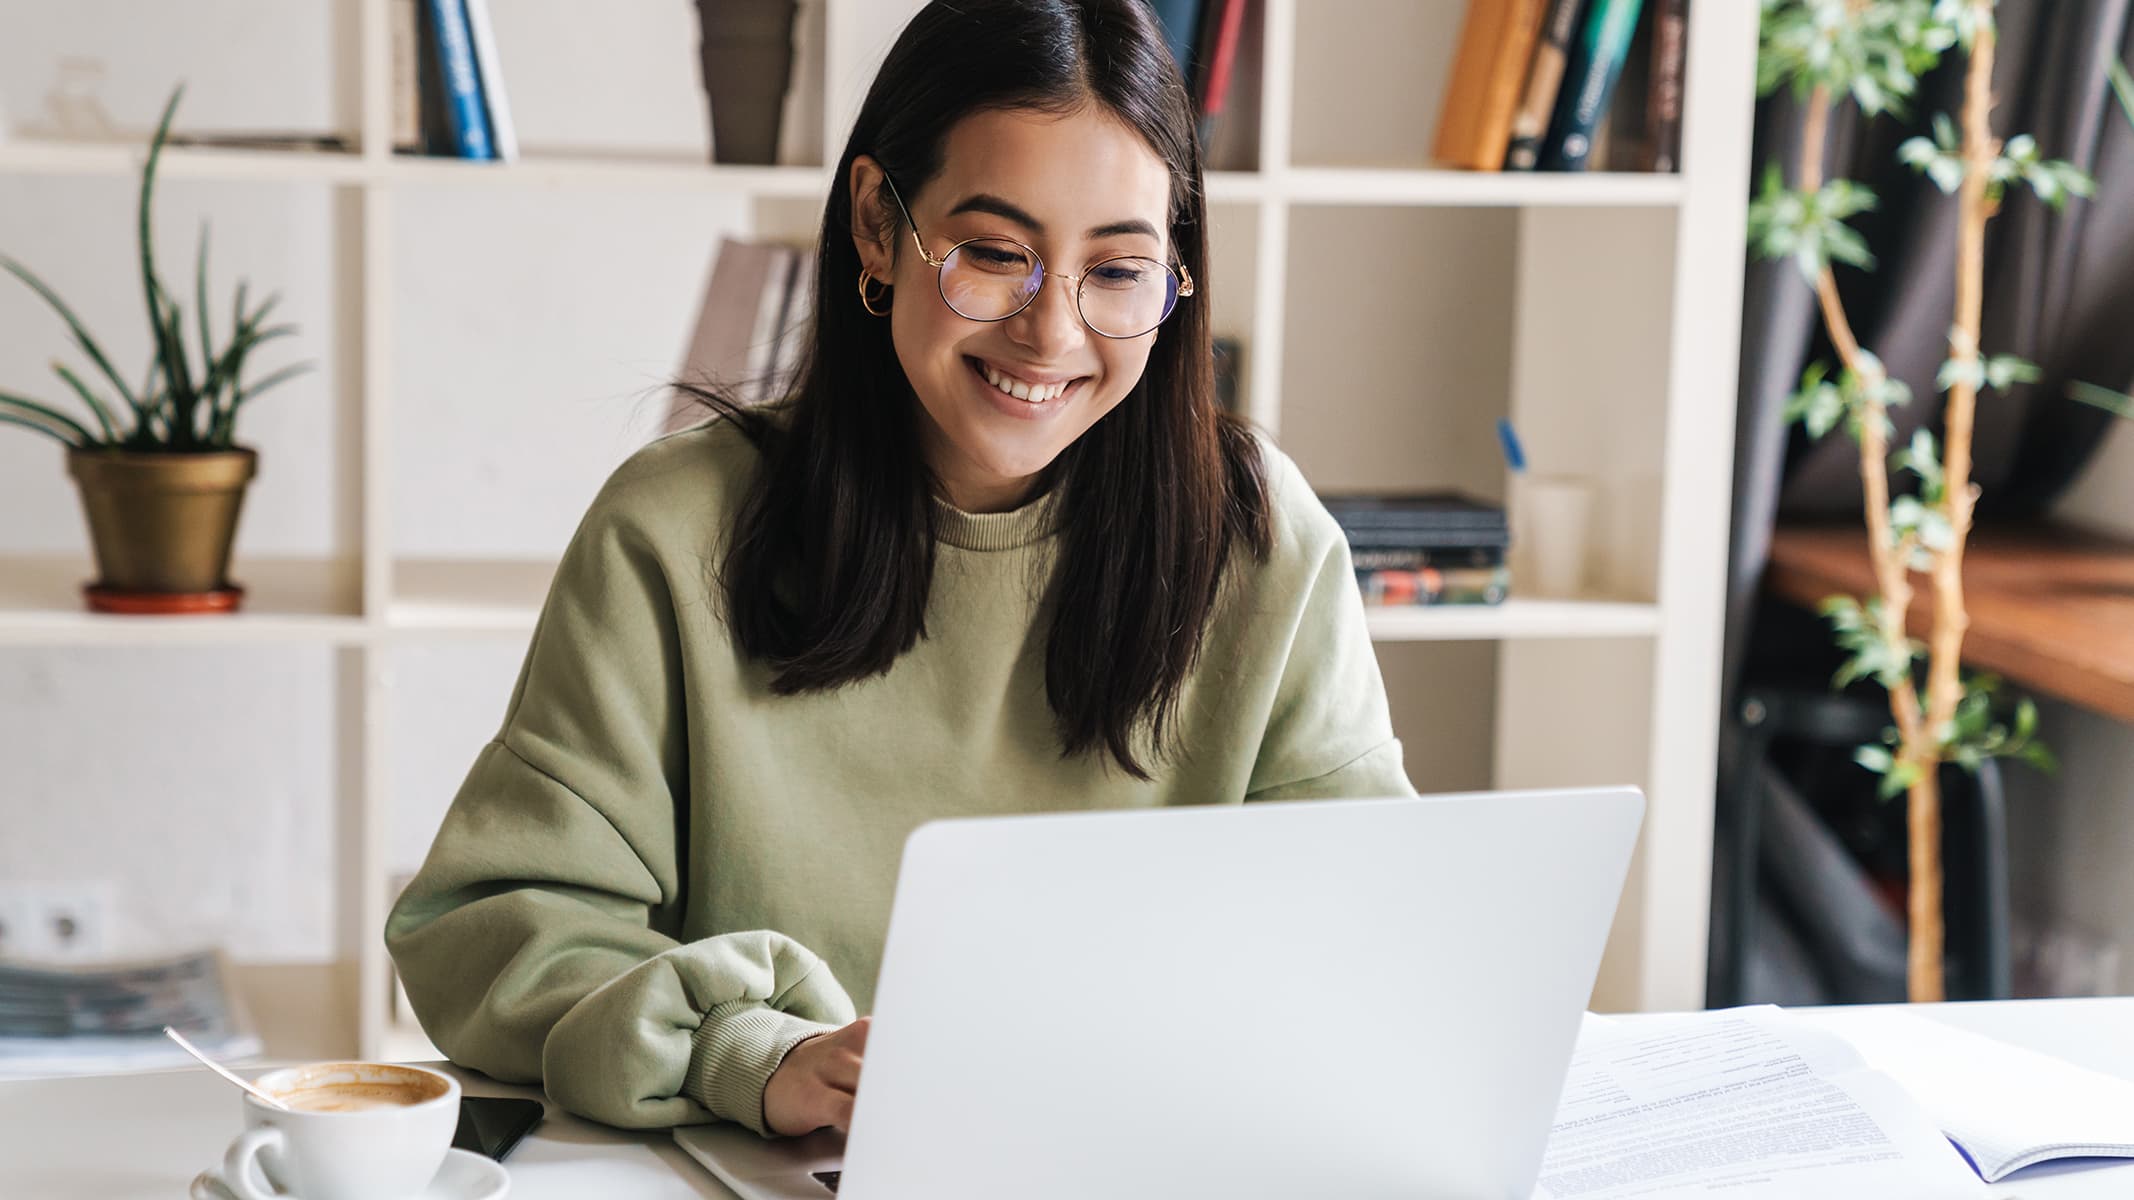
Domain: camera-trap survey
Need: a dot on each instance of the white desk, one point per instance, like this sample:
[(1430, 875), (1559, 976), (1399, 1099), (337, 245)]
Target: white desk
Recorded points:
[(121, 1137)]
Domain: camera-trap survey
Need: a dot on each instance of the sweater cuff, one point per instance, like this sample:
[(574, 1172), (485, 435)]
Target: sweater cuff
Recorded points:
[(733, 1055)]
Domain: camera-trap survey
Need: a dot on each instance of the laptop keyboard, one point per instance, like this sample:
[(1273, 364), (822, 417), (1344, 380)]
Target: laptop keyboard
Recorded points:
[(829, 1179)]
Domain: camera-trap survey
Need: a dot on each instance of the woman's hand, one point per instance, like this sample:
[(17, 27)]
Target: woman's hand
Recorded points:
[(815, 1084)]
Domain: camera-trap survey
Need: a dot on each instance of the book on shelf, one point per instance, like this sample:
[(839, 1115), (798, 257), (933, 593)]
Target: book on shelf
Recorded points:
[(1181, 30), (1409, 548), (1222, 29), (1497, 42), (1396, 588), (462, 81), (503, 135), (1596, 62), (1663, 102), (751, 326), (67, 1019), (448, 81), (1229, 367), (1544, 78)]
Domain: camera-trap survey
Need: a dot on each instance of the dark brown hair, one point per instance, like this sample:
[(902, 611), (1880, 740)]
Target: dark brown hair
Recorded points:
[(832, 557)]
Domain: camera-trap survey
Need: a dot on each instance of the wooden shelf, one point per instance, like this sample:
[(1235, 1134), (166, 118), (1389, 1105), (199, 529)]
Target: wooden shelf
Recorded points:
[(286, 600), (1479, 189), (1304, 185), (2051, 609), (1515, 618)]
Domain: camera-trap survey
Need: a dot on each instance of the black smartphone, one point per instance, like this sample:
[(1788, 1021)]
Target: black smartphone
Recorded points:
[(492, 1125)]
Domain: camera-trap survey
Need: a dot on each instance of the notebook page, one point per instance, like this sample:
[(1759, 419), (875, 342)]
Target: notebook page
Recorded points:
[(2007, 1106), (1745, 1104)]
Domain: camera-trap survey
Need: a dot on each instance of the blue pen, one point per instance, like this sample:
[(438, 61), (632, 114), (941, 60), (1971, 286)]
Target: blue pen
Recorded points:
[(1514, 455)]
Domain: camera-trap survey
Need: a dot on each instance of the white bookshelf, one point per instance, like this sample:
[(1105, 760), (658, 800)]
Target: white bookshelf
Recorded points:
[(1611, 304)]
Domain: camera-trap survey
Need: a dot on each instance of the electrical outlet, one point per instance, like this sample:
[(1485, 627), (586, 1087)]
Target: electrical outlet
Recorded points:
[(15, 931), (59, 920)]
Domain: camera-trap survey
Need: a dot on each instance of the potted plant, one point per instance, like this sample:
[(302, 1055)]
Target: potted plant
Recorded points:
[(161, 474), (1871, 53)]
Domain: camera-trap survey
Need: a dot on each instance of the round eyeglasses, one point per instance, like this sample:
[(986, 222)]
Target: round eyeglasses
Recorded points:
[(992, 279)]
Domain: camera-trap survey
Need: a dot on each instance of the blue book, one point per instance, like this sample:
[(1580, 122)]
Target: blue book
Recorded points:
[(1596, 62), (462, 80), (1181, 28)]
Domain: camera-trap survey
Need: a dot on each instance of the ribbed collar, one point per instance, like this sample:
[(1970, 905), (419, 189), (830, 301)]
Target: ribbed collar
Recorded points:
[(1033, 522)]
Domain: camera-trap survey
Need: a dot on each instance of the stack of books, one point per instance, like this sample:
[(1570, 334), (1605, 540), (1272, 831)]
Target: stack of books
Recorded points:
[(448, 86), (1425, 547), (1535, 86)]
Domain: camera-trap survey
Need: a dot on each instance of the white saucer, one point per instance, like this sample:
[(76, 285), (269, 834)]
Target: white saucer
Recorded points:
[(464, 1176)]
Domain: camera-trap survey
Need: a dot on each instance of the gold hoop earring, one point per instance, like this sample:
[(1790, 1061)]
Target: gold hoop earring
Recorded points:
[(869, 300)]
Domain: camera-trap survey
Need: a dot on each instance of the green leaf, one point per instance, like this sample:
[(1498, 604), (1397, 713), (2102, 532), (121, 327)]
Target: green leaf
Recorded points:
[(103, 415), (74, 325), (2005, 370), (207, 340), (1899, 779), (151, 289), (24, 422), (29, 409), (1875, 758), (2116, 403), (2123, 88)]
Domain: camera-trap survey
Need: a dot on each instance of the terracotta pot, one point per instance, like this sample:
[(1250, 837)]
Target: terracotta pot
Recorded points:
[(162, 522)]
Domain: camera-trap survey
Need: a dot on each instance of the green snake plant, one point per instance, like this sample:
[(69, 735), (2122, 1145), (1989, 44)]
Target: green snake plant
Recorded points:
[(181, 406)]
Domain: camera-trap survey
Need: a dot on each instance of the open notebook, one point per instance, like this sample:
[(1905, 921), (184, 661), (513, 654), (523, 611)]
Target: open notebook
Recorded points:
[(2004, 1106)]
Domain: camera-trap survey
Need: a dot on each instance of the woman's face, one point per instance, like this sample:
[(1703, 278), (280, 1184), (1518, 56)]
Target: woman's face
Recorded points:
[(1077, 189)]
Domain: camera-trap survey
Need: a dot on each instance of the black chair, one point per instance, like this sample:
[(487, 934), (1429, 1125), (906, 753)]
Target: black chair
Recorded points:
[(1795, 916)]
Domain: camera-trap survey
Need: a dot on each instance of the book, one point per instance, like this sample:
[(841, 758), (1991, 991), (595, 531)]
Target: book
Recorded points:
[(795, 328), (1222, 26), (2005, 1106), (1497, 42), (1663, 104), (1181, 29), (66, 1019), (462, 80), (1544, 78), (757, 383), (1415, 512), (733, 344), (404, 36), (1415, 558), (1229, 368), (1394, 588), (432, 109), (1589, 81), (503, 135)]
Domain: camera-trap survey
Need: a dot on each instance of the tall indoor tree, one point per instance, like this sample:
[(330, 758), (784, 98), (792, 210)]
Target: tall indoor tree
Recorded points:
[(1871, 53)]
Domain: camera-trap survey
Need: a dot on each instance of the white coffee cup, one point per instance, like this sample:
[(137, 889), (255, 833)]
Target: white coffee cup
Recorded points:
[(355, 1131)]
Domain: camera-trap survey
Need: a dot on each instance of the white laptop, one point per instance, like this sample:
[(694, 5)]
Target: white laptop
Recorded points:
[(1353, 998)]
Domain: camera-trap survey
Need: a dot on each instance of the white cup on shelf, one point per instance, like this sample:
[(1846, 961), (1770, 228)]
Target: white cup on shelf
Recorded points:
[(1551, 527)]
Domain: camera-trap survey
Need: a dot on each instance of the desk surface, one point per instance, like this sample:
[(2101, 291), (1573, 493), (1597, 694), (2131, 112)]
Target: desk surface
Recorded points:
[(122, 1137), (2051, 609)]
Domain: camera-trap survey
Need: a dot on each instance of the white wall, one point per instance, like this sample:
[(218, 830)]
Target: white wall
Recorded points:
[(530, 326)]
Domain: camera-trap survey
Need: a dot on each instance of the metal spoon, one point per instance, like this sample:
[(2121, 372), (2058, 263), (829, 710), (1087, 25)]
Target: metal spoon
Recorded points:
[(223, 1071)]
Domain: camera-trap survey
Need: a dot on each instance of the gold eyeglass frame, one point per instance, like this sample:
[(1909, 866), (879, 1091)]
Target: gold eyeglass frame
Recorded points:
[(1184, 276)]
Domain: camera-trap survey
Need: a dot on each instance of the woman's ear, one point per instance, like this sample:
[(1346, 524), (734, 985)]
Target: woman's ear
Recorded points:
[(867, 219)]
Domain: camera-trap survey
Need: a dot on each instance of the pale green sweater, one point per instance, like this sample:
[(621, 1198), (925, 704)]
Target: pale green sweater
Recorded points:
[(660, 876)]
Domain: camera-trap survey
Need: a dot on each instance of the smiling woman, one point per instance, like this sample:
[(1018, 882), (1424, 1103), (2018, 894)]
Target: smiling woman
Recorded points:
[(998, 552)]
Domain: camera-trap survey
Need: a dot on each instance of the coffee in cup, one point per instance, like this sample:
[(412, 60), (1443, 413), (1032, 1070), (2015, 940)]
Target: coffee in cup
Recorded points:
[(351, 1131)]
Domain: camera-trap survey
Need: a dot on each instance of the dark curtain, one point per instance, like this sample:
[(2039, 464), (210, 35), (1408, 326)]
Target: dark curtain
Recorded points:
[(2059, 292)]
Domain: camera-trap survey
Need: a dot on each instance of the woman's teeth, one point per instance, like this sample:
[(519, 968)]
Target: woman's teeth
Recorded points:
[(1033, 394)]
